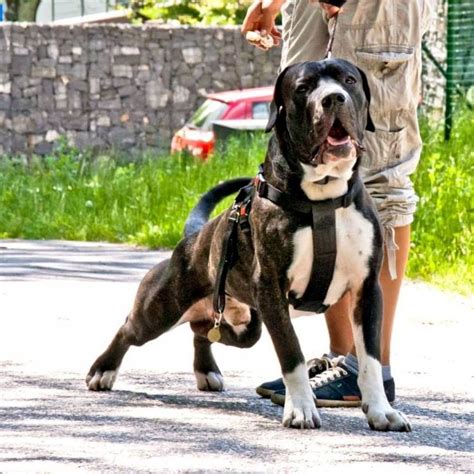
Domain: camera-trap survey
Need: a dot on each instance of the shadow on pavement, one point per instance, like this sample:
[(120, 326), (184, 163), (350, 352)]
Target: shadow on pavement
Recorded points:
[(35, 260)]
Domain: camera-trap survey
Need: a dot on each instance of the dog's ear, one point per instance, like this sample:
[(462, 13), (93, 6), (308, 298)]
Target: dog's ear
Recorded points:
[(276, 107), (365, 86)]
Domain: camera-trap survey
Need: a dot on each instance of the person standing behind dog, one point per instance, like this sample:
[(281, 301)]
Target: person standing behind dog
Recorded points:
[(383, 38)]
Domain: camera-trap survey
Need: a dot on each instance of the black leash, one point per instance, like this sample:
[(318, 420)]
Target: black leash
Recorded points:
[(332, 34), (238, 217)]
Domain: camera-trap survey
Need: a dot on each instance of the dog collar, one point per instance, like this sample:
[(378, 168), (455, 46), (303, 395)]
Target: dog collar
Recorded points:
[(323, 223), (287, 201)]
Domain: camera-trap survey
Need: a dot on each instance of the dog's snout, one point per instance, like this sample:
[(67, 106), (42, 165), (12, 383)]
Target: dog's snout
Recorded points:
[(332, 100)]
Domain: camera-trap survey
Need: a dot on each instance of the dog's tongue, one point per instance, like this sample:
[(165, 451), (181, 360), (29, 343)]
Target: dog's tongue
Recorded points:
[(333, 141)]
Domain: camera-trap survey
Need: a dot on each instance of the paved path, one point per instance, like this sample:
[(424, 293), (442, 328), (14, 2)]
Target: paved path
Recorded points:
[(61, 302)]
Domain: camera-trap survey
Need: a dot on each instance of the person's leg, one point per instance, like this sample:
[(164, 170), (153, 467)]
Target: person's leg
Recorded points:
[(338, 316), (391, 289), (338, 322)]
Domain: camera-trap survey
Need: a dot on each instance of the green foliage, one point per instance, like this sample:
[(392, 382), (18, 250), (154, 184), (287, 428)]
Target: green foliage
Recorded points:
[(74, 195), (442, 234), (190, 12)]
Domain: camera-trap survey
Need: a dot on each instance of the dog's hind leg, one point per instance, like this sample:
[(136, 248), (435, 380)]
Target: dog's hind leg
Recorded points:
[(366, 328), (206, 370), (156, 310), (207, 373)]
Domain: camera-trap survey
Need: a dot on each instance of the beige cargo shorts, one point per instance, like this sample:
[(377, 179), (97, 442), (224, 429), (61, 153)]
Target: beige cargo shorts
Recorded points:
[(383, 38)]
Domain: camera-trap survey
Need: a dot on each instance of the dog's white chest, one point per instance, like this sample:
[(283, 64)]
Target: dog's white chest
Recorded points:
[(354, 238)]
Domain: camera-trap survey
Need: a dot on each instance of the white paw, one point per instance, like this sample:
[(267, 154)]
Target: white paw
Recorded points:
[(385, 419), (102, 380), (210, 382), (303, 415)]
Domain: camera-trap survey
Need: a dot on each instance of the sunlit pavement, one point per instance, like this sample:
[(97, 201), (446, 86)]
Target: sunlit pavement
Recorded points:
[(60, 304)]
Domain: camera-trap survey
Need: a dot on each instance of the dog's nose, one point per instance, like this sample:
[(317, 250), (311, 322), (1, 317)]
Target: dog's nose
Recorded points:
[(333, 100)]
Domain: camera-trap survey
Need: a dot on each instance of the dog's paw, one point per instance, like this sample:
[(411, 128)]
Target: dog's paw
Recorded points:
[(303, 415), (210, 382), (98, 380), (386, 419)]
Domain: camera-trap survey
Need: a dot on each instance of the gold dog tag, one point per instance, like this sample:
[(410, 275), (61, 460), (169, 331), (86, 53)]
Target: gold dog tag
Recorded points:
[(214, 334)]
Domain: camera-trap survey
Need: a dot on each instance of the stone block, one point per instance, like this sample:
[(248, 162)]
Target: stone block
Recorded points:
[(103, 121), (43, 148), (77, 122), (51, 136), (113, 104), (21, 124), (122, 70), (79, 71), (128, 51), (5, 88), (180, 94), (94, 85), (122, 137), (31, 91), (126, 90), (21, 65), (43, 71)]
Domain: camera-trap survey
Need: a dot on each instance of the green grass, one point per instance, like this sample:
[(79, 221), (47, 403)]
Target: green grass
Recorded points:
[(442, 234), (78, 196), (72, 195)]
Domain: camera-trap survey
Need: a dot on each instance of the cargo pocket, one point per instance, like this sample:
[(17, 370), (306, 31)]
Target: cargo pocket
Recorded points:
[(393, 68), (383, 149)]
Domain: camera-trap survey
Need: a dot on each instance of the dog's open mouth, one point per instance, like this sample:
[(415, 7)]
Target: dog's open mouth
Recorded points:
[(337, 135)]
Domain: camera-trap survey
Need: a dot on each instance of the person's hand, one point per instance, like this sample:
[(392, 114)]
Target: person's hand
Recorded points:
[(260, 19)]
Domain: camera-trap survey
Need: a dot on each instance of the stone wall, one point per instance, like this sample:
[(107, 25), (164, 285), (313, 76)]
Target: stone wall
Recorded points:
[(125, 86), (115, 85)]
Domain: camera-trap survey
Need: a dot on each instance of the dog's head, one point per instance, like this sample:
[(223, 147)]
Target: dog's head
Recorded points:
[(319, 112)]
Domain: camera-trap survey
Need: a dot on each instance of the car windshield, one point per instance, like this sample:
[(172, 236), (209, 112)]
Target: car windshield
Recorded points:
[(210, 111)]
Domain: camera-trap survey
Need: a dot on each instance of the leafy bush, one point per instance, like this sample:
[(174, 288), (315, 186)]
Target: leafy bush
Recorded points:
[(190, 12)]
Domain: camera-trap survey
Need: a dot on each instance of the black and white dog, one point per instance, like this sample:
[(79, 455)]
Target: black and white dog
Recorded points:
[(319, 114)]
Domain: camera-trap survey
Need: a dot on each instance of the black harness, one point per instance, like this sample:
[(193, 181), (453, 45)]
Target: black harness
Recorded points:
[(323, 223)]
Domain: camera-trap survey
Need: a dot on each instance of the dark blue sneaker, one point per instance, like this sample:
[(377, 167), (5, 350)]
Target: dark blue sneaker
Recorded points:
[(337, 387), (315, 367)]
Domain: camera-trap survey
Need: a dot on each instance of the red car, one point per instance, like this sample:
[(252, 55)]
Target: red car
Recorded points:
[(197, 135)]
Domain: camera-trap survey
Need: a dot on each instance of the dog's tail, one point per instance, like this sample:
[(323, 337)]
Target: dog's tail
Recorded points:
[(200, 213)]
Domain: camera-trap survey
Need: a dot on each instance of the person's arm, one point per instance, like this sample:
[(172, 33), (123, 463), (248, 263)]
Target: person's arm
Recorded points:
[(259, 22)]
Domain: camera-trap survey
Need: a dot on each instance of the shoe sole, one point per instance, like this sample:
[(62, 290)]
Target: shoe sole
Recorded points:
[(265, 392), (280, 400)]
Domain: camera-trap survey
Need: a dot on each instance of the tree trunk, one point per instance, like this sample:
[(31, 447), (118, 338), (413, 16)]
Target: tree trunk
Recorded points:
[(22, 10)]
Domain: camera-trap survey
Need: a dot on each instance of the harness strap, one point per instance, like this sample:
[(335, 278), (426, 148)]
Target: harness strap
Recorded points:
[(323, 223), (324, 259)]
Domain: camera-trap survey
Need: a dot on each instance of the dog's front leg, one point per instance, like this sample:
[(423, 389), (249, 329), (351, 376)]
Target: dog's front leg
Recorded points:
[(300, 410), (366, 328)]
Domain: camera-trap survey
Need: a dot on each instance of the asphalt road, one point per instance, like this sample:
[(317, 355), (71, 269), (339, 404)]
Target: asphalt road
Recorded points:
[(60, 304)]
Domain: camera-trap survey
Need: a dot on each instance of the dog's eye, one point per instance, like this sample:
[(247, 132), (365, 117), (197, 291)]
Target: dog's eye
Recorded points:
[(302, 89), (350, 80)]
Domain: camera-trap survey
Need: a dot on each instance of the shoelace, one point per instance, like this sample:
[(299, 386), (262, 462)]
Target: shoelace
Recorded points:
[(316, 366), (333, 373)]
